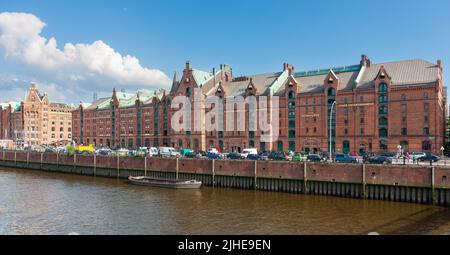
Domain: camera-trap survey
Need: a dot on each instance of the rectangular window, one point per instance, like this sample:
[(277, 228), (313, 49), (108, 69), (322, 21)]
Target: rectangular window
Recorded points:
[(404, 131), (361, 121), (362, 131), (426, 107), (403, 107), (346, 131)]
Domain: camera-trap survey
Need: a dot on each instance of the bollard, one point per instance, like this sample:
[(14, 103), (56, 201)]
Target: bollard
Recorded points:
[(255, 183), (213, 174), (177, 169), (305, 189), (364, 180), (118, 167), (145, 166), (433, 189), (95, 164)]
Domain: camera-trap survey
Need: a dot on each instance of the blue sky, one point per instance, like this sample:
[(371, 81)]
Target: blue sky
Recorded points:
[(252, 36)]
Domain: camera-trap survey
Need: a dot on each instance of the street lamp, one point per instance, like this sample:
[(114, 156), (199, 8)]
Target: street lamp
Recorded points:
[(331, 119)]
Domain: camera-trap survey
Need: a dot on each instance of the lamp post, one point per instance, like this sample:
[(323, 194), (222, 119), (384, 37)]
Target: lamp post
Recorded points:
[(331, 119)]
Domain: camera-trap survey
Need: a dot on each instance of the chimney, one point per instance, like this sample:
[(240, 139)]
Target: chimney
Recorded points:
[(188, 65), (439, 63), (214, 75), (365, 61)]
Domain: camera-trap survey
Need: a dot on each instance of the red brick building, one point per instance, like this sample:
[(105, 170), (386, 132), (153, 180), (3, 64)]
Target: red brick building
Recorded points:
[(35, 120), (376, 107)]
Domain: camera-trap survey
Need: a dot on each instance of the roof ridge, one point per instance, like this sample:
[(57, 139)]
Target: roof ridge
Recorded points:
[(405, 60)]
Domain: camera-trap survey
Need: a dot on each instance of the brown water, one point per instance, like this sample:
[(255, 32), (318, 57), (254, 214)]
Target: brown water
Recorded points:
[(34, 202)]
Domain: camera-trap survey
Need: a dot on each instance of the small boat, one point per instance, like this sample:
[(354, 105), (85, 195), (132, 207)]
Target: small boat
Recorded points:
[(165, 183)]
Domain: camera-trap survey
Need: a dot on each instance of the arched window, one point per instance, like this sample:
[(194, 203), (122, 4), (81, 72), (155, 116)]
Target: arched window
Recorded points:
[(188, 91), (425, 95), (291, 94), (382, 121), (382, 99), (383, 133), (331, 92), (382, 88), (346, 147), (426, 145), (426, 131), (383, 109), (383, 146), (405, 145)]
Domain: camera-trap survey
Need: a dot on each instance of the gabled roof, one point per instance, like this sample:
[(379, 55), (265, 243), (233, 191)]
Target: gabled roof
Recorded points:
[(407, 72), (261, 82), (201, 77)]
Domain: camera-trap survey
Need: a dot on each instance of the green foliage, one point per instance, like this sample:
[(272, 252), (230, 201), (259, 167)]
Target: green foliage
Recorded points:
[(70, 150)]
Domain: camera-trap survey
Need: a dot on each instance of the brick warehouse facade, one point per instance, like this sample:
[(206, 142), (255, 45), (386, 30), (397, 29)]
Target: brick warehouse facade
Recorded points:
[(376, 108), (35, 120)]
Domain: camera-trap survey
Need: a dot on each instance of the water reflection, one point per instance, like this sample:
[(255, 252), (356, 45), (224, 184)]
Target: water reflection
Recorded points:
[(33, 202)]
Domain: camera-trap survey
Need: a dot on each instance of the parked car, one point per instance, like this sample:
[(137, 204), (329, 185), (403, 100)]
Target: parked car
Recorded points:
[(264, 155), (446, 153), (277, 156), (418, 155), (168, 152), (378, 160), (253, 157), (389, 155), (344, 158), (192, 154), (122, 152), (299, 157), (249, 151), (103, 152), (152, 151), (234, 155), (215, 156), (314, 158), (429, 157)]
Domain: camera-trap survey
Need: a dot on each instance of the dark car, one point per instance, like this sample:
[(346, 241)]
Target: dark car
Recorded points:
[(277, 156), (264, 155), (234, 155), (214, 156), (378, 160), (344, 158), (192, 154), (314, 158), (429, 157), (253, 157), (446, 153)]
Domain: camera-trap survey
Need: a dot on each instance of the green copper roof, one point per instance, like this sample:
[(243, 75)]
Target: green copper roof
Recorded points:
[(201, 77), (326, 71), (14, 105)]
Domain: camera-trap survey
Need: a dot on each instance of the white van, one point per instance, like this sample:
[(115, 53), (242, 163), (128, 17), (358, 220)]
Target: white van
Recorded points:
[(248, 151), (152, 151), (168, 152)]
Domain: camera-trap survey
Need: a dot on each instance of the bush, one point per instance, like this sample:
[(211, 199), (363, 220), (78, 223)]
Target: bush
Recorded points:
[(70, 150)]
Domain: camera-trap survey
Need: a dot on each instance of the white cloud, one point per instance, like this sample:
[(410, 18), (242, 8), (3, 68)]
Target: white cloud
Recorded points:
[(89, 66)]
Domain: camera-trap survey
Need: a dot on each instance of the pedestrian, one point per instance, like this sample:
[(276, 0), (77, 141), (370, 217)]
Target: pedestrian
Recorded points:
[(414, 159)]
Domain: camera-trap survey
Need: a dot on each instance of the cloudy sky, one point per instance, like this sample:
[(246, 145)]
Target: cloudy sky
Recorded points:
[(72, 49)]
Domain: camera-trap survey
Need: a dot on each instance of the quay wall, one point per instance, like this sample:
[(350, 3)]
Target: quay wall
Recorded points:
[(416, 184)]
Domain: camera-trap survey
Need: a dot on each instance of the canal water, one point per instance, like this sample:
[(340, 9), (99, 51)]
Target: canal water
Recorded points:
[(34, 202)]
